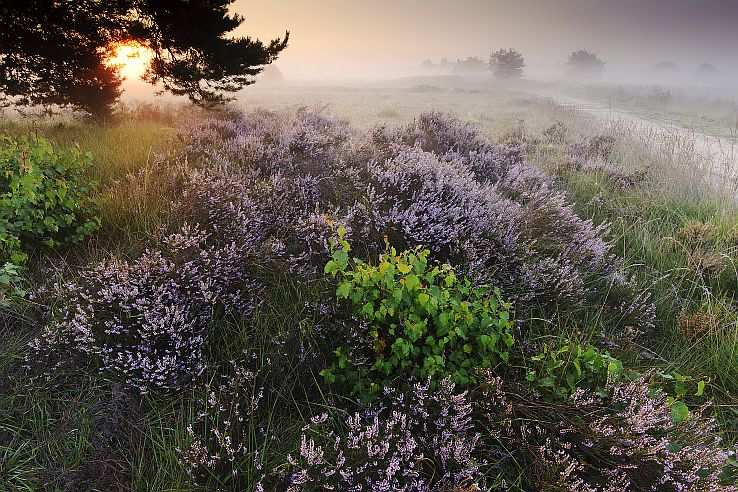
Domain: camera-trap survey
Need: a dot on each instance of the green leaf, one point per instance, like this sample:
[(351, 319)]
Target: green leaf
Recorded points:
[(700, 388), (679, 411), (343, 290), (412, 282), (330, 268), (368, 310)]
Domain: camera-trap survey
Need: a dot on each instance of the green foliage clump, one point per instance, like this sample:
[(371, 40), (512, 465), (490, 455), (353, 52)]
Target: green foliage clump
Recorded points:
[(44, 197), (11, 282), (561, 369), (422, 321), (682, 392)]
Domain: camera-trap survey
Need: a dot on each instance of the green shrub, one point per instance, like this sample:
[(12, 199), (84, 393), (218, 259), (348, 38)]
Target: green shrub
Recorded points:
[(561, 369), (11, 282), (44, 197), (421, 321)]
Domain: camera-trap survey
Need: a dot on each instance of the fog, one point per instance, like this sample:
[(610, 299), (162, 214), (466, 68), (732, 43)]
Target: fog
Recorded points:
[(660, 42), (374, 39)]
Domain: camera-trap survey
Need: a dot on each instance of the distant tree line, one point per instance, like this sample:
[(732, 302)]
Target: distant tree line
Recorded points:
[(508, 64)]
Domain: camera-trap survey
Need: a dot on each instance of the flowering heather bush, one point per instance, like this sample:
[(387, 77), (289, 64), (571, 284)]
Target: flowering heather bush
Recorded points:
[(277, 217), (626, 441), (420, 441), (437, 182), (147, 320), (226, 427), (266, 143), (281, 182)]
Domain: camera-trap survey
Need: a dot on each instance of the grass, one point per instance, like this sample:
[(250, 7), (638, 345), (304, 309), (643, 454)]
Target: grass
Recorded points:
[(50, 432), (118, 149), (133, 169), (648, 232), (709, 110)]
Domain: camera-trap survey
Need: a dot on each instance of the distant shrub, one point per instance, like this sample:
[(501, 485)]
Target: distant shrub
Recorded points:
[(416, 321), (422, 440), (44, 197), (507, 64), (583, 63), (146, 321)]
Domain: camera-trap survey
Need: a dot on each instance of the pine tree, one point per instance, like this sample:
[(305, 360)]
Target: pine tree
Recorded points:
[(54, 52)]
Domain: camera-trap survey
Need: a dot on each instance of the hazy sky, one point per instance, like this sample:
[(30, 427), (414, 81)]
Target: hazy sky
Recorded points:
[(334, 37)]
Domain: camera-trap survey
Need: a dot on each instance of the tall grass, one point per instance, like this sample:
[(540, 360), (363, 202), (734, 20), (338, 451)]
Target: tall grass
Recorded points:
[(691, 278)]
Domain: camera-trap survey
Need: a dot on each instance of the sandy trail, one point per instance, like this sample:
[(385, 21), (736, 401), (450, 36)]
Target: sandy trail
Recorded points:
[(717, 156)]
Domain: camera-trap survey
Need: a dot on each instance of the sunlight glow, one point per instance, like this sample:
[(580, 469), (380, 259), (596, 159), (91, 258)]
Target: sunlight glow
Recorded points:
[(131, 58)]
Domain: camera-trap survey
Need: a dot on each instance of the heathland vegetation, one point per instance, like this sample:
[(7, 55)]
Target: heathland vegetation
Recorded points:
[(276, 300), (516, 296)]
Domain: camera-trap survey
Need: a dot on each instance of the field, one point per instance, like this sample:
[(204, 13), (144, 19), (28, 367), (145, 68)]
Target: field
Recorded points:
[(251, 281)]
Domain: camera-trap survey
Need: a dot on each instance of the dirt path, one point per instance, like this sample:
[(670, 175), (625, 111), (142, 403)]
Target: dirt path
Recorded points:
[(718, 155)]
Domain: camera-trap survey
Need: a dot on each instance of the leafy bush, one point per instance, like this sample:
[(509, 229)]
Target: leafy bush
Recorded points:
[(561, 369), (11, 283), (422, 440), (44, 197), (421, 321)]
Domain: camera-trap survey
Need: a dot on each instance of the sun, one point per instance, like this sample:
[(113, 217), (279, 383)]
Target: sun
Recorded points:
[(131, 58)]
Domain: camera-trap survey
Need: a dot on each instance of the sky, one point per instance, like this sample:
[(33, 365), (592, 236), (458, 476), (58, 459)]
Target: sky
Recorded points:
[(368, 37)]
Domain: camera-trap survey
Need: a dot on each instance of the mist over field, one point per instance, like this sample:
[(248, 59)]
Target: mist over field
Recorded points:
[(366, 39), (666, 43)]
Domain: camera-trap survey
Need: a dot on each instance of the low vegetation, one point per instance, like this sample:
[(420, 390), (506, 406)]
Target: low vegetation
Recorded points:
[(278, 301)]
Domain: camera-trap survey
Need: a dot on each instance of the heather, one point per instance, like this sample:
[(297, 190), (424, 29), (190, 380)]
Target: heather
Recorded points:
[(434, 183), (281, 300)]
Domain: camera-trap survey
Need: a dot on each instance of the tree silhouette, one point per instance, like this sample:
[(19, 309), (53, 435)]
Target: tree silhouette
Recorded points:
[(583, 63), (667, 67), (707, 70), (507, 64), (54, 52), (470, 64)]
